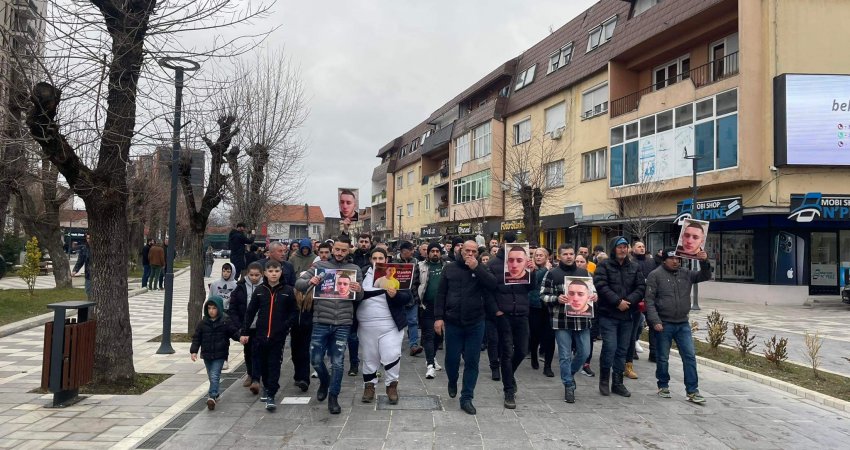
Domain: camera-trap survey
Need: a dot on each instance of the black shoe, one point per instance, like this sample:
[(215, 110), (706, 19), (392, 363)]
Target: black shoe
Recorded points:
[(333, 405), (510, 401), (352, 372), (548, 372), (604, 381), (322, 393), (496, 374), (534, 363), (569, 394), (635, 357), (468, 408), (270, 406), (618, 387), (651, 358), (303, 385), (452, 390)]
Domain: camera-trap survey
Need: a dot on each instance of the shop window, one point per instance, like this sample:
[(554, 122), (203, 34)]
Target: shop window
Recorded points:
[(736, 255), (616, 166), (727, 141), (631, 163), (704, 139)]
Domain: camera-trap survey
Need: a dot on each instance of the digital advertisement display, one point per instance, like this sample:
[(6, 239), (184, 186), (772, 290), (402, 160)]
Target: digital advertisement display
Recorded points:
[(812, 120)]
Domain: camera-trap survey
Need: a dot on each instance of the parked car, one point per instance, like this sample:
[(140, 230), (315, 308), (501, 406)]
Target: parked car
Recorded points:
[(221, 253), (845, 294)]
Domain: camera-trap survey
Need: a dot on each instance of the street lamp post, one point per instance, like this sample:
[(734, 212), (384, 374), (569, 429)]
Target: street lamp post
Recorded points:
[(694, 263), (179, 66), (399, 225)]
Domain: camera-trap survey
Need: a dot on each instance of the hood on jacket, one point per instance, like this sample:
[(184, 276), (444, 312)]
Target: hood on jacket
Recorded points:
[(305, 244), (614, 243), (218, 302), (232, 275)]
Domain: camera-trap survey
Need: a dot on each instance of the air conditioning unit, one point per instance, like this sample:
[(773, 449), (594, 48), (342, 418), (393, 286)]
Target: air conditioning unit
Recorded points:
[(557, 133)]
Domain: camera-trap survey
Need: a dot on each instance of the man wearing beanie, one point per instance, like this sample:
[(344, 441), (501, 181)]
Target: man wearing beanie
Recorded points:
[(452, 255), (668, 301), (412, 308), (620, 285), (425, 283)]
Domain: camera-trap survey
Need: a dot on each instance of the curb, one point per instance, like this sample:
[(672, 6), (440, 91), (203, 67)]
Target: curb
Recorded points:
[(37, 321), (793, 389)]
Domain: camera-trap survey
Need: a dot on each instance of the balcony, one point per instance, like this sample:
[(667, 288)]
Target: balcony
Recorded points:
[(437, 178), (701, 76), (379, 226), (380, 198), (437, 141), (443, 212)]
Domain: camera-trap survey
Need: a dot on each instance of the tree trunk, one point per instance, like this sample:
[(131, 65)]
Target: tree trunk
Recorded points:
[(197, 290), (52, 241)]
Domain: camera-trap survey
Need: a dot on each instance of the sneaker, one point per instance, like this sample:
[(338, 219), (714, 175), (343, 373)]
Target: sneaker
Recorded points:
[(314, 375), (638, 348), (211, 403), (510, 401), (265, 396), (664, 393), (569, 394), (431, 372), (352, 372), (587, 371), (694, 397), (225, 366), (437, 366), (270, 406)]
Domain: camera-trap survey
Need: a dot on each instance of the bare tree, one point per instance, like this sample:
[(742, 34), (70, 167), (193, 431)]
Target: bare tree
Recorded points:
[(100, 63), (270, 105), (538, 171), (638, 206)]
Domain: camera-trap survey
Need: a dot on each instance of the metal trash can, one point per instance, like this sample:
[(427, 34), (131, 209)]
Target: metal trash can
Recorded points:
[(68, 360)]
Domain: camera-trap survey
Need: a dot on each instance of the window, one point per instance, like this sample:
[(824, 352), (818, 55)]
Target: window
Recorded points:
[(404, 151), (631, 163), (556, 117), (616, 178), (664, 121), (414, 145), (685, 115), (472, 187), (399, 183), (410, 210), (705, 109), (409, 177), (594, 102), (593, 165), (641, 6), (554, 174), (721, 66), (727, 141), (522, 131), (461, 150), (602, 33), (427, 202), (674, 71), (425, 136), (525, 78), (481, 143), (560, 58)]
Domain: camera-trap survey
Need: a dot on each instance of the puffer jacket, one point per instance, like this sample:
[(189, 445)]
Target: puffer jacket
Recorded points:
[(668, 293), (464, 296), (335, 311), (274, 308), (301, 262), (511, 299), (212, 337), (615, 281)]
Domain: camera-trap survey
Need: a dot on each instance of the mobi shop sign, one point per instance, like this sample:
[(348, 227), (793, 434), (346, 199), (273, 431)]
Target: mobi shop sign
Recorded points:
[(813, 206), (726, 208)]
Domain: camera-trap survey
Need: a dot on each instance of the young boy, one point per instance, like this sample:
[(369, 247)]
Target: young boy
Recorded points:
[(211, 336), (225, 286), (273, 305), (236, 312)]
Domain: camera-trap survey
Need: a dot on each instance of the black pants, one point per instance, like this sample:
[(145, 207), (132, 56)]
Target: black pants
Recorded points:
[(270, 354), (248, 353), (637, 327), (301, 334), (541, 335), (513, 343), (491, 338), (353, 346), (426, 327)]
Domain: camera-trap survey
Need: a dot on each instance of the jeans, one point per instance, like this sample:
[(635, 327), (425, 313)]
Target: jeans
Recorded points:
[(426, 319), (681, 333), (571, 364), (541, 335), (207, 270), (412, 325), (616, 335), (214, 373), (637, 327), (466, 341), (146, 274), (154, 278), (513, 343), (492, 336), (333, 339), (353, 346)]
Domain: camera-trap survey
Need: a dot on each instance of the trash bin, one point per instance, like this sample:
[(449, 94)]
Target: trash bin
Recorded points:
[(68, 360)]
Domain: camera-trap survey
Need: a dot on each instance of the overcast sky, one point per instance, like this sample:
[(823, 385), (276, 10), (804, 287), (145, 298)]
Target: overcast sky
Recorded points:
[(374, 69)]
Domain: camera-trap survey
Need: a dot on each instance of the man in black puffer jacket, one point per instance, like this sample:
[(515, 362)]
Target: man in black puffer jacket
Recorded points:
[(620, 285)]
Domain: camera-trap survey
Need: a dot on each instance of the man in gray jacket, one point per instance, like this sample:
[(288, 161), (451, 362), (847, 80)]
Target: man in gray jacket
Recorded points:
[(668, 302), (331, 324)]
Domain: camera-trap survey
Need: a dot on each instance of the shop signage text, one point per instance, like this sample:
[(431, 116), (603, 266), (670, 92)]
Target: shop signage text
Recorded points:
[(726, 208), (512, 225), (806, 208), (429, 232)]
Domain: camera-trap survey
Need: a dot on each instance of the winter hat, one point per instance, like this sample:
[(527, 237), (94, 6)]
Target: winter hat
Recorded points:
[(510, 237), (457, 240), (434, 245)]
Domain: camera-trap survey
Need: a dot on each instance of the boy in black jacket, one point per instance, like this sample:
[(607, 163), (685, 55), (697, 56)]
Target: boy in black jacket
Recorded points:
[(212, 336), (273, 304)]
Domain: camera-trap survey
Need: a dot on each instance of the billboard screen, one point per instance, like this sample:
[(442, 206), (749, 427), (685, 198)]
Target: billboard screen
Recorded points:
[(812, 120)]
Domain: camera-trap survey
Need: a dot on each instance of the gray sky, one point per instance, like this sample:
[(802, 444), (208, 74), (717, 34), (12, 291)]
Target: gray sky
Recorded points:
[(374, 69)]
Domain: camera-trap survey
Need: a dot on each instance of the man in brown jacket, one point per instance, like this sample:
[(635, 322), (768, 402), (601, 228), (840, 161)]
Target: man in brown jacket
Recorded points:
[(156, 258)]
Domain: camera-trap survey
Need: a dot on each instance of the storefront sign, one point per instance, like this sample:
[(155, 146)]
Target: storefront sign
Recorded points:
[(429, 232), (806, 208), (451, 230), (557, 221), (726, 208), (824, 275), (512, 225)]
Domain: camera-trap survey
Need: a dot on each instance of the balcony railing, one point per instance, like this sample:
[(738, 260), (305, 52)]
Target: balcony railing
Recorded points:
[(443, 211), (703, 75), (377, 199)]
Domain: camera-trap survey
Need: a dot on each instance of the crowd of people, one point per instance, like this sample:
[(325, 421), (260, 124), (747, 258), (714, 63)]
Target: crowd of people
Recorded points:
[(464, 299)]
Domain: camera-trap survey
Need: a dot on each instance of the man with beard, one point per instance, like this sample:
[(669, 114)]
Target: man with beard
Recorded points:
[(426, 284)]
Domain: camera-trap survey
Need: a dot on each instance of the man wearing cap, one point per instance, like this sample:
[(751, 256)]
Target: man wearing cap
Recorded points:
[(668, 301), (620, 286), (425, 284), (412, 309)]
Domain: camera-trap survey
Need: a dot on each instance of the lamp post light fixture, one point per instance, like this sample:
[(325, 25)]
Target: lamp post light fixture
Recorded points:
[(179, 66), (694, 188)]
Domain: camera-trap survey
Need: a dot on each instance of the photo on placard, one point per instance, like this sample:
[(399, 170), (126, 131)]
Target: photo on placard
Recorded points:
[(691, 238), (348, 203), (393, 276), (516, 263), (335, 284), (580, 292)]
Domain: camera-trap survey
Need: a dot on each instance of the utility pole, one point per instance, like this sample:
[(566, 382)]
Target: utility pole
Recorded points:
[(694, 263)]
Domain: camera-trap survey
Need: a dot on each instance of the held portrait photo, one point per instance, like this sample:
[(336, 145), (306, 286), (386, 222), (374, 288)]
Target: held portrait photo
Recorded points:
[(335, 283), (692, 238), (516, 264), (580, 293), (348, 204), (393, 275)]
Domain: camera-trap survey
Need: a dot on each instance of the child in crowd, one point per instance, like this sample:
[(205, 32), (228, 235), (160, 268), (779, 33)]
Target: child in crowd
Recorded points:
[(212, 336), (273, 305), (224, 286), (236, 312)]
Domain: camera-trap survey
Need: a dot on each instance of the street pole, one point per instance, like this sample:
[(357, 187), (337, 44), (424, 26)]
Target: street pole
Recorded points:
[(694, 263), (170, 63), (399, 225)]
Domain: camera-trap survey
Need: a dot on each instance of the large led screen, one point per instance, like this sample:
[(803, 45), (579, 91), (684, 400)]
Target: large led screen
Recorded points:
[(812, 120)]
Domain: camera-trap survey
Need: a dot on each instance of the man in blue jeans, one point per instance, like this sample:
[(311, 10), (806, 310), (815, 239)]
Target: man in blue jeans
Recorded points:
[(412, 309), (620, 285), (668, 302), (332, 318), (463, 300)]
